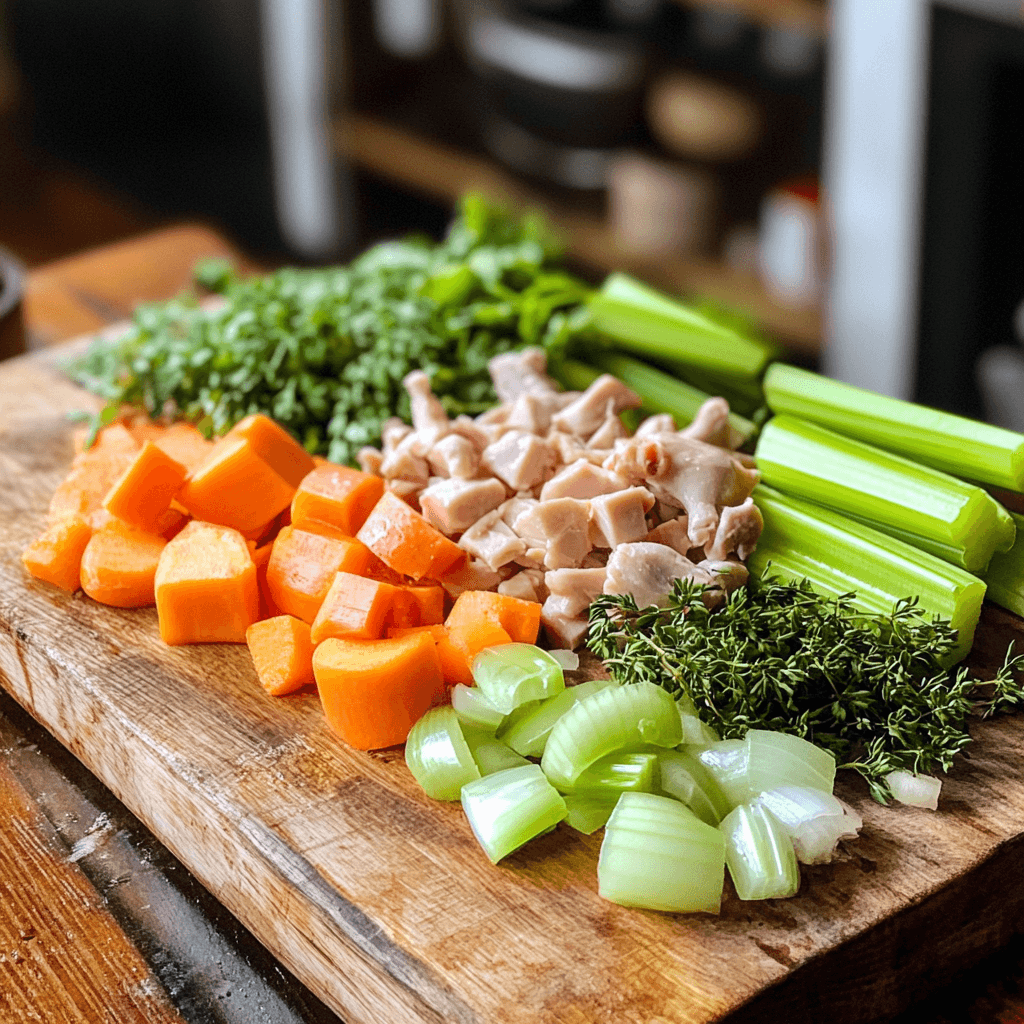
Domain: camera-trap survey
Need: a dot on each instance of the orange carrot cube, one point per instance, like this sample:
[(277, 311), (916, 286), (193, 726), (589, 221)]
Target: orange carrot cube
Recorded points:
[(206, 587), (144, 490), (56, 555), (282, 654), (337, 495), (276, 447), (355, 608), (119, 565)]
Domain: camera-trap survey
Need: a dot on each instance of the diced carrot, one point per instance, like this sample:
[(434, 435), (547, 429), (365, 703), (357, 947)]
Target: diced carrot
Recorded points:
[(144, 490), (302, 568), (338, 495), (172, 522), (119, 565), (235, 487), (275, 446), (465, 641), (261, 559), (115, 437), (520, 619), (93, 472), (374, 691), (405, 542), (427, 605), (206, 586), (143, 429), (56, 555), (185, 444), (454, 664), (355, 608), (282, 654)]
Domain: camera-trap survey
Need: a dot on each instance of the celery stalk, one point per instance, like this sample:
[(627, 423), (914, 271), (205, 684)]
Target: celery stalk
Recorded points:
[(587, 813), (576, 376), (1005, 576), (658, 854), (438, 756), (512, 674), (511, 807), (759, 854), (840, 556), (812, 462), (490, 754), (527, 734), (640, 319), (474, 709), (687, 780), (623, 771), (954, 444)]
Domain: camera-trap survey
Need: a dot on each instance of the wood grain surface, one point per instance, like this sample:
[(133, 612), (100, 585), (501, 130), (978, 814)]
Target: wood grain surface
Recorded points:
[(379, 898)]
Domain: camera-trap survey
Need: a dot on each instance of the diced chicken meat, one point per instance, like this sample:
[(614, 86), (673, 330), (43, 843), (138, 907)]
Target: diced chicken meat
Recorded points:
[(520, 459), (473, 574), (607, 396), (582, 479), (571, 591), (730, 574), (660, 423), (392, 433), (564, 632), (700, 477), (739, 529), (711, 425), (527, 585), (647, 571), (673, 533), (521, 373), (370, 460), (454, 505), (531, 413), (492, 541), (608, 433), (561, 528), (428, 415), (454, 456), (569, 449), (620, 517), (405, 463)]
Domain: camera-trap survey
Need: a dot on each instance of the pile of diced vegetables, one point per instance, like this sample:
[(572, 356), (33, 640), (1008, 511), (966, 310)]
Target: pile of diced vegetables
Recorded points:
[(882, 535)]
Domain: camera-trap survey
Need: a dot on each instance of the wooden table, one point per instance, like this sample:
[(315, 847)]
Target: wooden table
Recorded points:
[(97, 921)]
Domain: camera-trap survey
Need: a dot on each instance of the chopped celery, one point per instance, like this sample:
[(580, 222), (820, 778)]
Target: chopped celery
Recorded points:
[(759, 854), (727, 763), (512, 674), (643, 320), (779, 759), (438, 756), (662, 392), (587, 813), (492, 755), (658, 854), (528, 734), (1005, 576), (474, 709), (511, 807), (513, 718), (606, 721), (850, 476), (576, 376), (815, 821), (623, 771), (954, 444), (840, 556), (686, 779)]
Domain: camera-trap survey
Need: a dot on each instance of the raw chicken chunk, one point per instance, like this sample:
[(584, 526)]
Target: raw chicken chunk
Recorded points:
[(522, 460), (620, 517), (647, 571), (607, 396), (739, 529), (454, 505)]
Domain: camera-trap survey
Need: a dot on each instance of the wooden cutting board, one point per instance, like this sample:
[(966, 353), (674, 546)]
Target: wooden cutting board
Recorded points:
[(380, 900)]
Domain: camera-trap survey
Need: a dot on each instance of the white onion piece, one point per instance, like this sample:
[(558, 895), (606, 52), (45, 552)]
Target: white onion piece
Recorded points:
[(813, 819), (915, 790), (569, 660)]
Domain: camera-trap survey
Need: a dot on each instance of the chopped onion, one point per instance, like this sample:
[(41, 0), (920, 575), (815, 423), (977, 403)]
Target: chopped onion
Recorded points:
[(475, 709), (685, 778), (623, 771), (438, 756), (512, 674), (528, 734), (587, 813), (778, 759), (915, 790), (569, 660), (509, 808), (609, 720), (814, 820), (759, 854), (658, 854)]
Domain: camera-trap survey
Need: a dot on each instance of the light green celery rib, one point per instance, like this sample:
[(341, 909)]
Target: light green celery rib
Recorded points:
[(576, 376), (643, 320), (850, 476), (840, 556), (662, 392), (1005, 576), (954, 444)]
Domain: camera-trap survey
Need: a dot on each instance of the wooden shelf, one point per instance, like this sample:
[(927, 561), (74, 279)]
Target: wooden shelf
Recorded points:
[(443, 173), (804, 15)]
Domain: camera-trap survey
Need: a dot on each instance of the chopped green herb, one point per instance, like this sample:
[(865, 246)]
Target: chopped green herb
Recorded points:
[(324, 351), (869, 688)]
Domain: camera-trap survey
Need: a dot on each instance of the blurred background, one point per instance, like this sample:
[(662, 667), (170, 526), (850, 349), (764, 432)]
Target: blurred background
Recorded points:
[(845, 175)]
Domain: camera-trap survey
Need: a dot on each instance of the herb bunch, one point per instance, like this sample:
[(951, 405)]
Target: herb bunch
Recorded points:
[(324, 351), (870, 689)]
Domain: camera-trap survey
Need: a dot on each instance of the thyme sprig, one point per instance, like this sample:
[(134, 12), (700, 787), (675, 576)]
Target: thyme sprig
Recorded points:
[(873, 690)]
